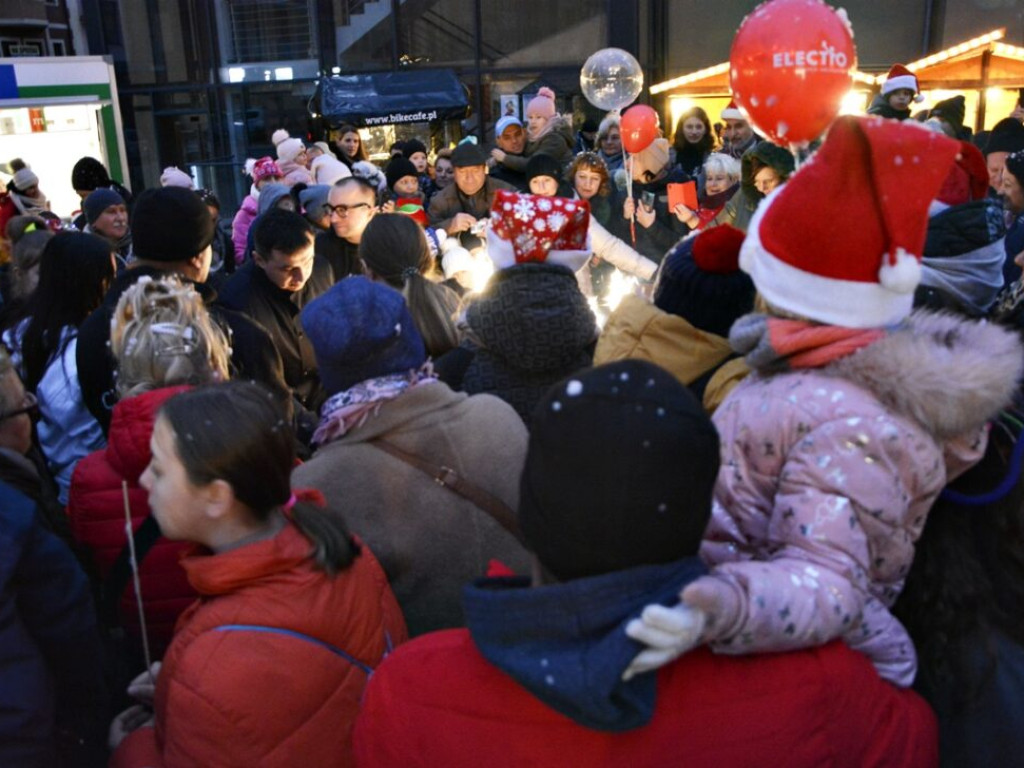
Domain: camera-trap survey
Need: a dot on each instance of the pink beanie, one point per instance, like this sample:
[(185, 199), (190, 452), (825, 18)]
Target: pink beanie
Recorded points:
[(542, 104)]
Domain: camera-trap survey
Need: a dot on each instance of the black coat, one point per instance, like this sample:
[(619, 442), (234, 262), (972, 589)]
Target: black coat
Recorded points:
[(342, 255), (250, 291), (655, 241), (253, 355)]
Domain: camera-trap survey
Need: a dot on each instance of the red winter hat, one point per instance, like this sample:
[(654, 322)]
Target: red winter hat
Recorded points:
[(901, 77), (717, 249), (967, 179), (265, 168), (732, 112), (841, 241), (528, 228)]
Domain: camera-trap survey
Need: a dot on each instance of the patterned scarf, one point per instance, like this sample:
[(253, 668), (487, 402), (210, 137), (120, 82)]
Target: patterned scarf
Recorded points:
[(351, 407), (777, 344)]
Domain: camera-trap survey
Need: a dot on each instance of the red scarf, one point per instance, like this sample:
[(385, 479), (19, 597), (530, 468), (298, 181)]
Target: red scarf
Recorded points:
[(774, 343)]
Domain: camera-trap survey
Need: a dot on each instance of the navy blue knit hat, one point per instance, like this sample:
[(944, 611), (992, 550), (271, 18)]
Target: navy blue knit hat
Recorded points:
[(701, 282), (360, 330), (98, 201), (586, 510)]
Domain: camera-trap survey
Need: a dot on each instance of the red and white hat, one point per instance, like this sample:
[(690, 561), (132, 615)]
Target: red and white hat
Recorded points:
[(732, 112), (901, 77), (841, 241), (527, 228)]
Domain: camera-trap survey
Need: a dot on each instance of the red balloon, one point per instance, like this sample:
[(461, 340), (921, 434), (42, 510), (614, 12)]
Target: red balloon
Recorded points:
[(639, 127), (790, 66)]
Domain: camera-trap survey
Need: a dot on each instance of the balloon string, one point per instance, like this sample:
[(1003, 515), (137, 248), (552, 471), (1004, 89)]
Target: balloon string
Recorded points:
[(629, 193)]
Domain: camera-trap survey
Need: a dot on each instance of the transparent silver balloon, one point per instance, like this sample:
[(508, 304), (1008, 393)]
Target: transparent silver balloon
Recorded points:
[(611, 79)]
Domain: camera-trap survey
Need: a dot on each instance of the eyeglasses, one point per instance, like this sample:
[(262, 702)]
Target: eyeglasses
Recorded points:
[(343, 210), (29, 405)]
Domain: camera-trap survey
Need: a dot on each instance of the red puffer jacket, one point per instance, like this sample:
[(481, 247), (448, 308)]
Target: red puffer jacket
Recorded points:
[(96, 512), (231, 693)]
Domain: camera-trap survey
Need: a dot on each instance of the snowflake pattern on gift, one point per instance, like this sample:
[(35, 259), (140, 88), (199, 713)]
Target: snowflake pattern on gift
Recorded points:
[(534, 226), (524, 209)]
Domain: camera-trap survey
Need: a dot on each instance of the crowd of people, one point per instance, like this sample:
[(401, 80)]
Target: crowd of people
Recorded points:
[(361, 477)]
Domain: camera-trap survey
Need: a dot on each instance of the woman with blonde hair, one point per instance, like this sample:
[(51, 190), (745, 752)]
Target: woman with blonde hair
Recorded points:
[(165, 342)]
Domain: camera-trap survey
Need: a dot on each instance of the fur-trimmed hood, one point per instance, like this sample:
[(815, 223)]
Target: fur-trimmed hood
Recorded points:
[(948, 374)]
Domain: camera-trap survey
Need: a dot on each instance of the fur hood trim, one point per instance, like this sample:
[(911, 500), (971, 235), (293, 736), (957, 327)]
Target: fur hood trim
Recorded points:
[(949, 374)]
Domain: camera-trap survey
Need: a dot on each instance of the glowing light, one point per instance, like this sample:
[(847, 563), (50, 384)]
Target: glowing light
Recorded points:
[(236, 74), (283, 73), (956, 50), (854, 103), (481, 270), (700, 74)]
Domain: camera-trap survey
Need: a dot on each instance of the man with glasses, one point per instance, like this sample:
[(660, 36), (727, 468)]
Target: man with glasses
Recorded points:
[(283, 276), (457, 208), (351, 204)]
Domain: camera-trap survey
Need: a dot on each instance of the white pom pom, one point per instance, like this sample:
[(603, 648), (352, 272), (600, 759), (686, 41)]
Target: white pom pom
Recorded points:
[(279, 135), (903, 276), (250, 163), (919, 98)]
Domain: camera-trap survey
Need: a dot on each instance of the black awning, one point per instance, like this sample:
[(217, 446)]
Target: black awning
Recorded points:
[(385, 98)]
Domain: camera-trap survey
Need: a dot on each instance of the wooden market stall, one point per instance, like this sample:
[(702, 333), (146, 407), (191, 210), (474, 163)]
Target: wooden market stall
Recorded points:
[(709, 89), (988, 72)]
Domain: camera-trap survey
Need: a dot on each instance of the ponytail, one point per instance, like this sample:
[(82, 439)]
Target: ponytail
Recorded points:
[(334, 548)]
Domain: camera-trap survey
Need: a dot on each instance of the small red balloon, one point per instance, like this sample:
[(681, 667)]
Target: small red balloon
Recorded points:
[(790, 67), (639, 127)]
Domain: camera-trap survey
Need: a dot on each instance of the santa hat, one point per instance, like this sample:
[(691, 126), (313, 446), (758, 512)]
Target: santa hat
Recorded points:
[(901, 77), (175, 177), (732, 112), (288, 148), (967, 179), (527, 228), (841, 241)]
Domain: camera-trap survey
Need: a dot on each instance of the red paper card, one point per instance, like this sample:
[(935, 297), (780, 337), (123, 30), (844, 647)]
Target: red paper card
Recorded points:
[(685, 193)]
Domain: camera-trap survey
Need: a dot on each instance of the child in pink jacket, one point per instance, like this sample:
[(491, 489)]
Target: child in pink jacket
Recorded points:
[(856, 415), (263, 171)]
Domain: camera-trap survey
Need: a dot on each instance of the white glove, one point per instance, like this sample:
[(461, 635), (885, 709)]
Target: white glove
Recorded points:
[(143, 687), (669, 633)]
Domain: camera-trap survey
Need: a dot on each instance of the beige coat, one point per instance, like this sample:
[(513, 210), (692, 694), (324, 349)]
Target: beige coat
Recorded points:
[(430, 541), (640, 331)]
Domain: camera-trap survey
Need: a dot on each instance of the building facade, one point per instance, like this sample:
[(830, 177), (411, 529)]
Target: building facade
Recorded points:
[(204, 83)]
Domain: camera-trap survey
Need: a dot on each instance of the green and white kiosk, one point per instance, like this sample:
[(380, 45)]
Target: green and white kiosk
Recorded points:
[(55, 110)]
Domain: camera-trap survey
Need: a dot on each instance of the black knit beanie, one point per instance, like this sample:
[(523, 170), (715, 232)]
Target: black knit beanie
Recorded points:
[(543, 165), (89, 174), (621, 465), (411, 146), (399, 168), (170, 224)]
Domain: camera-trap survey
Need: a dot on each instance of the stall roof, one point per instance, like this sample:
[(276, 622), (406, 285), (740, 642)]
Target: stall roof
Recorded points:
[(385, 98), (981, 62), (714, 81)]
